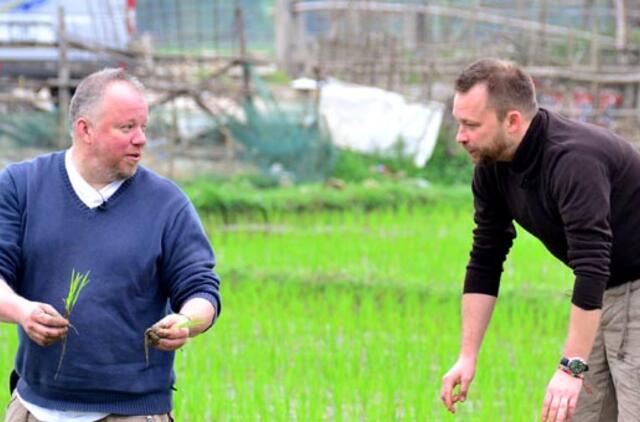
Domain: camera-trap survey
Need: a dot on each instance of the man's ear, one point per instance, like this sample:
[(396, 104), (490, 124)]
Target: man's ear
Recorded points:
[(514, 121), (82, 130)]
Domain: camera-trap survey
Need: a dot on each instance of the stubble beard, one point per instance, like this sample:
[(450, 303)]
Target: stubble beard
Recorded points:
[(493, 152), (120, 173), (114, 171), (110, 169)]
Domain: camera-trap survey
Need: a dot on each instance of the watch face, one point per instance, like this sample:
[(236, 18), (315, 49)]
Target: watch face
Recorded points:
[(577, 367)]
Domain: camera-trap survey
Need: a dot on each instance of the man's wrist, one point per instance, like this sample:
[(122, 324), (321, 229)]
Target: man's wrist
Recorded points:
[(469, 357), (569, 373), (22, 308), (187, 323), (574, 366)]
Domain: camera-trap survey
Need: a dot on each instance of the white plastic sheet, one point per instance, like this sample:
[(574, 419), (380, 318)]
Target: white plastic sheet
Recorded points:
[(368, 120)]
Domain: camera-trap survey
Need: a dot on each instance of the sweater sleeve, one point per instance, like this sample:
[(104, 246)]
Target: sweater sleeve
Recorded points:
[(581, 187), (188, 261), (10, 229), (492, 236)]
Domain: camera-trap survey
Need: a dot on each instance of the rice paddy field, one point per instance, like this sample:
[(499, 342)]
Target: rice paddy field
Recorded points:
[(354, 316)]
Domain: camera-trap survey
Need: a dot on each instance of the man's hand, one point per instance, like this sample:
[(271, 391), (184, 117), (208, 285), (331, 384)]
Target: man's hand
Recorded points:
[(173, 332), (561, 397), (461, 374), (42, 323)]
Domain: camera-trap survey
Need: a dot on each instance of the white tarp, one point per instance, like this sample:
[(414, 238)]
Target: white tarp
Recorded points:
[(368, 119)]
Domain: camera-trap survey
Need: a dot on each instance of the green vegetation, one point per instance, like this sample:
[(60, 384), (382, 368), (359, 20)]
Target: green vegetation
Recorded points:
[(354, 315), (357, 182), (277, 77), (237, 199), (447, 166), (77, 283)]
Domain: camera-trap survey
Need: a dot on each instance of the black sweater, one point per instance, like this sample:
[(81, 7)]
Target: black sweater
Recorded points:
[(576, 187)]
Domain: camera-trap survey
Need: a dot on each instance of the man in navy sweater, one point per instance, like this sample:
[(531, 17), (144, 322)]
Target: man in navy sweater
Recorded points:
[(576, 187), (94, 209)]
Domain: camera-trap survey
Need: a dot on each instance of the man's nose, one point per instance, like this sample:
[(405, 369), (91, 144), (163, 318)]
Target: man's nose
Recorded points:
[(461, 136), (140, 137)]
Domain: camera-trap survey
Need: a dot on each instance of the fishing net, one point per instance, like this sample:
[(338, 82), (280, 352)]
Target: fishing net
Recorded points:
[(30, 129), (292, 143)]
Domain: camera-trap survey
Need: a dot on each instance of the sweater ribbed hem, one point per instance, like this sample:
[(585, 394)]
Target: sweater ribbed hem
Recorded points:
[(116, 403)]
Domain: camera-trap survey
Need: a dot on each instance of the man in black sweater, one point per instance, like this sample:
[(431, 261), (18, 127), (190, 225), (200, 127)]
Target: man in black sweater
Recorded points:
[(576, 187)]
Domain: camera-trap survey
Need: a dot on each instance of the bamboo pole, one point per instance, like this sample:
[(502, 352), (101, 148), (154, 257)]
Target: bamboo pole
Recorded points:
[(63, 81), (246, 77)]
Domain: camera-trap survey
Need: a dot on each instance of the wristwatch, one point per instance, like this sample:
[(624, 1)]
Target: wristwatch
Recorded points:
[(574, 366)]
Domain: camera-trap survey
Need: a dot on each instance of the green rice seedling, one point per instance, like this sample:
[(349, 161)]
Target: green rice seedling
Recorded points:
[(77, 283)]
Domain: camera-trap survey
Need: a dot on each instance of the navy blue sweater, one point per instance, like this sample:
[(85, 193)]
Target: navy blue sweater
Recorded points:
[(146, 252)]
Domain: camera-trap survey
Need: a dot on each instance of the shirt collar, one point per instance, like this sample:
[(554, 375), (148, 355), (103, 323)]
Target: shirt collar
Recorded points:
[(527, 155), (90, 196)]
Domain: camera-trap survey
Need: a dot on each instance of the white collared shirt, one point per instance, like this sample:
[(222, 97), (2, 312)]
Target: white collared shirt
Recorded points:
[(91, 197)]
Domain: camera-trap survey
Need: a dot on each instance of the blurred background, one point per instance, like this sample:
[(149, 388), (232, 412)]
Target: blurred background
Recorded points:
[(280, 88)]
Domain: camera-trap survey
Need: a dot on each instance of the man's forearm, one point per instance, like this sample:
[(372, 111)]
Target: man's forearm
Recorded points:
[(583, 326), (477, 309), (12, 306), (201, 312)]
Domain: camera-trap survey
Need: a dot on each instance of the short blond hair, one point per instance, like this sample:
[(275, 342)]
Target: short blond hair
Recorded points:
[(90, 91)]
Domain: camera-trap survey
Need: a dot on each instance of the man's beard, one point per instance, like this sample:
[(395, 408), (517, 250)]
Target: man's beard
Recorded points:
[(108, 172), (493, 152)]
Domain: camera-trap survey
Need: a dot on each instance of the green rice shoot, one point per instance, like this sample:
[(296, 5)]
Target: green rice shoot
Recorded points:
[(77, 283)]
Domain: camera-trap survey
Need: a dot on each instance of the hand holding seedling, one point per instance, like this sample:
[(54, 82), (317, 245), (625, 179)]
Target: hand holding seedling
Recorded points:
[(170, 333), (174, 330), (43, 324)]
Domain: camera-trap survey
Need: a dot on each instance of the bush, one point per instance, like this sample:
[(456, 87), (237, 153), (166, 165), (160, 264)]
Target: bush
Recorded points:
[(448, 165)]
